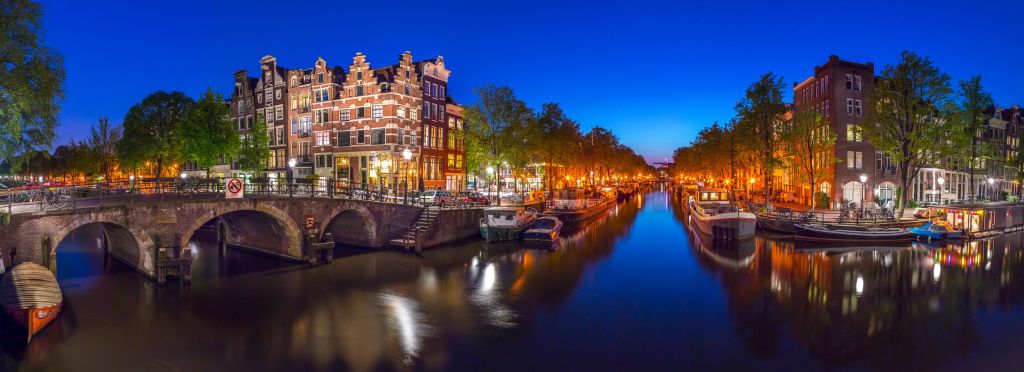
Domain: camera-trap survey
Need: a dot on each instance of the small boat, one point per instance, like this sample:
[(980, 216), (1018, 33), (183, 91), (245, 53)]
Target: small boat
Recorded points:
[(775, 225), (30, 295), (840, 233), (544, 229), (937, 229), (505, 223), (713, 215)]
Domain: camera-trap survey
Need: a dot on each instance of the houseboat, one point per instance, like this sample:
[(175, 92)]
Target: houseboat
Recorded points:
[(576, 205), (712, 214), (506, 223), (982, 219)]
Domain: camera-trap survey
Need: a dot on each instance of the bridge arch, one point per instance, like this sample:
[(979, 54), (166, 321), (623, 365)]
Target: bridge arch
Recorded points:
[(351, 224), (131, 244), (258, 226)]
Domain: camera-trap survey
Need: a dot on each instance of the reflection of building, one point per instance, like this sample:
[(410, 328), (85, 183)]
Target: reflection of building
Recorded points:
[(355, 125)]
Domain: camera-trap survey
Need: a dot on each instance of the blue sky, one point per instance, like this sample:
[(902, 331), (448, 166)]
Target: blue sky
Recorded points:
[(654, 72)]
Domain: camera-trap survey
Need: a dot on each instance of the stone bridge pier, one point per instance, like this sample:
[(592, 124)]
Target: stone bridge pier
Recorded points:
[(135, 233)]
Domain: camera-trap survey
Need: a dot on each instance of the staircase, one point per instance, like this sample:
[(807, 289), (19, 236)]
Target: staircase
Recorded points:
[(413, 235)]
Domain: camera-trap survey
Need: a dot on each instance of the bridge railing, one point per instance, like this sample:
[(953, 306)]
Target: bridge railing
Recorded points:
[(98, 194)]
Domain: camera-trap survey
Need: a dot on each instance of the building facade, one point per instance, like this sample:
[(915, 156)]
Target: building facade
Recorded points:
[(840, 92), (357, 125)]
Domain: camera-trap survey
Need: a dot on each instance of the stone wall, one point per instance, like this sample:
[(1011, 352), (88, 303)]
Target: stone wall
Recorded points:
[(453, 225)]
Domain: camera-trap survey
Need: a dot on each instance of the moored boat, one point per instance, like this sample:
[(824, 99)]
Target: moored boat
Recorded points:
[(505, 223), (937, 229), (713, 214), (841, 233), (571, 205), (544, 229), (776, 225), (30, 295)]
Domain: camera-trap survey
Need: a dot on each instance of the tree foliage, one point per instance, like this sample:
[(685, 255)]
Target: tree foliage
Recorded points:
[(255, 148), (31, 82), (761, 114), (207, 134), (969, 114), (807, 140), (906, 119), (151, 130)]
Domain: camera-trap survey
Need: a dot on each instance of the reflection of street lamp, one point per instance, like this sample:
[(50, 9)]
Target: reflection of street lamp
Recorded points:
[(407, 155)]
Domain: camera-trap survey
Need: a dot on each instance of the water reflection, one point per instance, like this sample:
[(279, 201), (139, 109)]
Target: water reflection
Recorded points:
[(884, 307), (630, 291)]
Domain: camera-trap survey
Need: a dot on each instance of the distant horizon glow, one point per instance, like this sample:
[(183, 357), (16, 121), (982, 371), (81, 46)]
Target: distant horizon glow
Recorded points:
[(654, 73)]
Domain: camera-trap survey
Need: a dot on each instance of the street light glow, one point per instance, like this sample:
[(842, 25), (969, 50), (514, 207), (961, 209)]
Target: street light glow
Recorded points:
[(184, 175), (863, 178), (406, 154), (490, 169), (291, 163)]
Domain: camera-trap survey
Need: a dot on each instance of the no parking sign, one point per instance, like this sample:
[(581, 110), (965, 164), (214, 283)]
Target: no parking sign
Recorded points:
[(234, 189)]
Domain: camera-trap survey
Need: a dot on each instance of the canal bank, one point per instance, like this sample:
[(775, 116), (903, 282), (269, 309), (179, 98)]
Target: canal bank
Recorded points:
[(634, 291)]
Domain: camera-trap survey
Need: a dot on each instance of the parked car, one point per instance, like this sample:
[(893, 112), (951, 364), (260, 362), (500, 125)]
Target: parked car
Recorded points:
[(473, 198), (432, 197), (922, 209)]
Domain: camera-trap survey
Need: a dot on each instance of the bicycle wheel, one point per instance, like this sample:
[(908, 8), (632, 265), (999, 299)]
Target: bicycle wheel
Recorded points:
[(60, 201)]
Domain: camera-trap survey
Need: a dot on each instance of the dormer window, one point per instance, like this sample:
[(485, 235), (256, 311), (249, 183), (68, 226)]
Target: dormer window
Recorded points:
[(320, 78), (359, 75)]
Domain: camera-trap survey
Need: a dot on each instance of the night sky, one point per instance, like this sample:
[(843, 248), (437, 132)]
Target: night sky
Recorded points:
[(653, 72)]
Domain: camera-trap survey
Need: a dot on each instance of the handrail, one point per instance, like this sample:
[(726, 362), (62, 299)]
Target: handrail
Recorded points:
[(98, 194)]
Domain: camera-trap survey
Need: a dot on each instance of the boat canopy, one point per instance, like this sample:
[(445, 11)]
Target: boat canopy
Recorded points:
[(981, 216)]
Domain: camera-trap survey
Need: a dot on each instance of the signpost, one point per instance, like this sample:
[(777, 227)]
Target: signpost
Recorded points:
[(235, 188)]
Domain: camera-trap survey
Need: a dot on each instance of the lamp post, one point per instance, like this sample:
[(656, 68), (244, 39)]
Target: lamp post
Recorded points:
[(991, 181), (407, 155), (490, 170), (942, 190), (863, 190), (291, 167)]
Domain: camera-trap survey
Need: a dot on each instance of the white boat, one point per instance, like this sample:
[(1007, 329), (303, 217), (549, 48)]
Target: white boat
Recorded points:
[(712, 214), (506, 223)]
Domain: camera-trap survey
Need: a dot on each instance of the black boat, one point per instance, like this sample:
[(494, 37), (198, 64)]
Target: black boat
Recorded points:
[(844, 233)]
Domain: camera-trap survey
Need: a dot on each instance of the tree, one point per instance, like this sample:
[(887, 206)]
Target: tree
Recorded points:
[(103, 143), (970, 114), (494, 125), (905, 120), (255, 148), (151, 130), (207, 134), (761, 112), (808, 139), (31, 82)]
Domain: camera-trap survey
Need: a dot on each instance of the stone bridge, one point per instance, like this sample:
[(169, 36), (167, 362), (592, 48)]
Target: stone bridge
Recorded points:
[(135, 232)]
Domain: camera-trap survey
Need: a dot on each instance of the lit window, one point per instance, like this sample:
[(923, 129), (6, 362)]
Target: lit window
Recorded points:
[(378, 111)]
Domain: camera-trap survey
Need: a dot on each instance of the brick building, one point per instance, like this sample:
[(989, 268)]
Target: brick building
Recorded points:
[(455, 165), (839, 91), (354, 125)]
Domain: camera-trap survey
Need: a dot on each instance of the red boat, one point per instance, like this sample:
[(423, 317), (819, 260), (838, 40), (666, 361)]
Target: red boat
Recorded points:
[(30, 295)]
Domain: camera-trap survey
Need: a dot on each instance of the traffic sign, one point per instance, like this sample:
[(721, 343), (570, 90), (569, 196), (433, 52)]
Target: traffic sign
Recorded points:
[(235, 188)]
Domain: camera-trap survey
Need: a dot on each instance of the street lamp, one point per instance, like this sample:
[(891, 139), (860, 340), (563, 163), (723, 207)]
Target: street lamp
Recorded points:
[(490, 170), (863, 189), (184, 175), (991, 181), (291, 167), (407, 155), (942, 190)]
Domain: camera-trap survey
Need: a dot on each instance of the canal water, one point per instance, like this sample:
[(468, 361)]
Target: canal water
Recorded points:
[(633, 291)]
